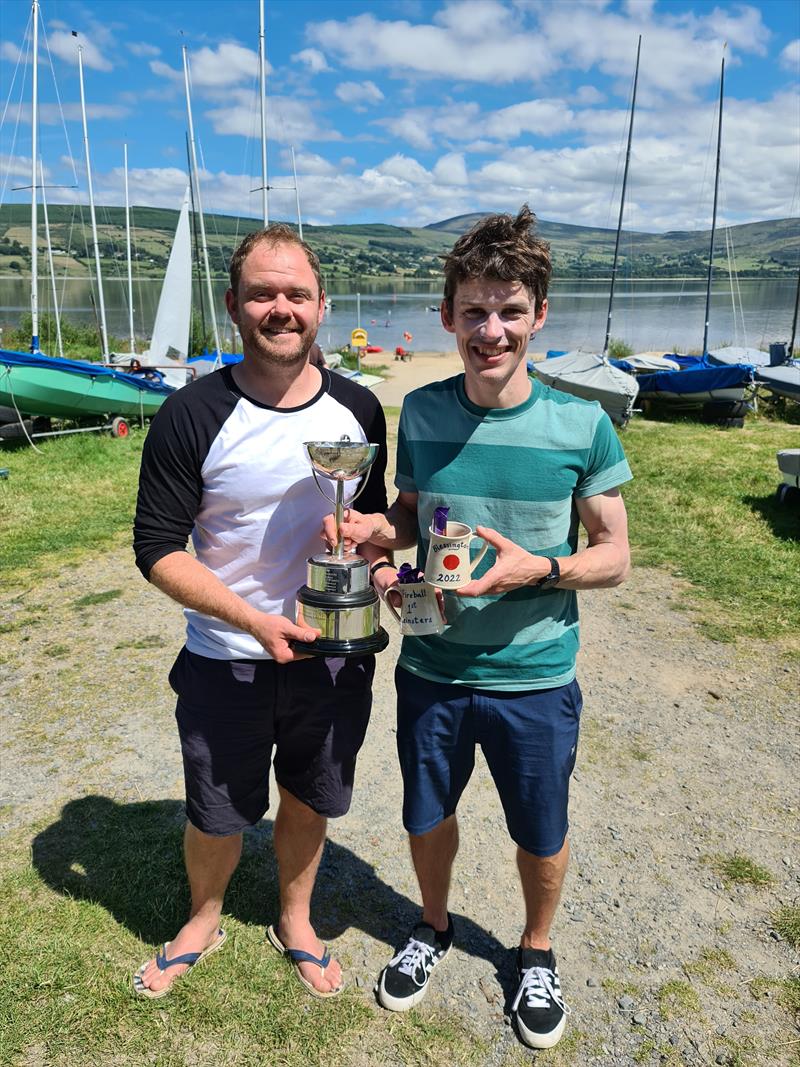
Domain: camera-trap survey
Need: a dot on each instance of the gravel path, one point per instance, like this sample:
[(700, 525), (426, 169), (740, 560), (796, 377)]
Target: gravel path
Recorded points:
[(688, 750)]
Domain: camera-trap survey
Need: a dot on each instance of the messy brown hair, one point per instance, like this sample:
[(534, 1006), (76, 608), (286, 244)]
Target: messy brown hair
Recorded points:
[(504, 247), (278, 233)]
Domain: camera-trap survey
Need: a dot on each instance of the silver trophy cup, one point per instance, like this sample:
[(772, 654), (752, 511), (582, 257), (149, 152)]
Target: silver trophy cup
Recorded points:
[(338, 598)]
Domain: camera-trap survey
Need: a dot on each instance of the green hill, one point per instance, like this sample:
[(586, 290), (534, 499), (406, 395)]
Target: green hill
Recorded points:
[(763, 249)]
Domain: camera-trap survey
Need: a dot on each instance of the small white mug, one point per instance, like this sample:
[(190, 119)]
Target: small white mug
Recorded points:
[(420, 614), (448, 565)]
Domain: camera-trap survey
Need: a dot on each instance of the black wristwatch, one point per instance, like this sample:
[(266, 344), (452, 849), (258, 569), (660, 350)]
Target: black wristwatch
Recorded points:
[(552, 576), (377, 567)]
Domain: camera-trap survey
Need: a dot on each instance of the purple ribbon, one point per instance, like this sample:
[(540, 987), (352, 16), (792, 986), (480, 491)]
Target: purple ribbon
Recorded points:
[(408, 574), (440, 521)]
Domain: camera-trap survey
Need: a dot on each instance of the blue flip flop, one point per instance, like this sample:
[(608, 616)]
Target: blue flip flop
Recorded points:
[(297, 956), (190, 958)]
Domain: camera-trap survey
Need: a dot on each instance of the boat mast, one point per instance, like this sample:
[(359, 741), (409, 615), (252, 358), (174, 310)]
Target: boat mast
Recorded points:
[(52, 267), (204, 245), (196, 242), (34, 146), (128, 249), (103, 328), (622, 199), (790, 353), (297, 197), (714, 214), (262, 67)]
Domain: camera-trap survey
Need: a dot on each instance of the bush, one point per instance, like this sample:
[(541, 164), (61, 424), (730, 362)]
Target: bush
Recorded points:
[(618, 349)]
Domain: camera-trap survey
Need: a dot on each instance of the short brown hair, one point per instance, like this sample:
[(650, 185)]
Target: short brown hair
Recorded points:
[(504, 247), (278, 233)]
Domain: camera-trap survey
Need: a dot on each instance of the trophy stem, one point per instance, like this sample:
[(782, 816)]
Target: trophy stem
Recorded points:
[(339, 553)]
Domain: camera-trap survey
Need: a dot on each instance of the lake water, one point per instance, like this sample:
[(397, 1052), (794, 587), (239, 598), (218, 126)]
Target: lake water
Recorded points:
[(662, 315)]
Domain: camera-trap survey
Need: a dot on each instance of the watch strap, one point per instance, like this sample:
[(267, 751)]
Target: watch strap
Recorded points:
[(552, 575), (377, 566)]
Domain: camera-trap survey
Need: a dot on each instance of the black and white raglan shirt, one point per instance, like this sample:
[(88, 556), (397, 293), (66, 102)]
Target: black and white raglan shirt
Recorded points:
[(233, 474)]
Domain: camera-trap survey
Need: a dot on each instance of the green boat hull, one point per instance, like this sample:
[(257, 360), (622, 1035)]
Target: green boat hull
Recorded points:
[(58, 394)]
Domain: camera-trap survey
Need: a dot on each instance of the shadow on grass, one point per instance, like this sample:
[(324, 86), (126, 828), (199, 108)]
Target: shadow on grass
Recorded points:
[(128, 859), (783, 518)]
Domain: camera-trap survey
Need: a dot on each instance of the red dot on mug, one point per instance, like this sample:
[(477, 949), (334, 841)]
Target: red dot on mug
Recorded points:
[(450, 563)]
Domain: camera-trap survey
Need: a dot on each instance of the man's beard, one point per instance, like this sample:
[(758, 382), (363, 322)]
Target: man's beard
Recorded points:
[(259, 343)]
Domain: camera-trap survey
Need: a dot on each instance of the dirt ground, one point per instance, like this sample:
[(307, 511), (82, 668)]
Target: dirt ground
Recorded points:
[(689, 751)]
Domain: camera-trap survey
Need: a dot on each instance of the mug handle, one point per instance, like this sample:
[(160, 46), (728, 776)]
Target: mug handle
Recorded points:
[(478, 558), (388, 602)]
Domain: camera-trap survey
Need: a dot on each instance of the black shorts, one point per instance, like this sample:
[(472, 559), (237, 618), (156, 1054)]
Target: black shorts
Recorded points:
[(231, 713)]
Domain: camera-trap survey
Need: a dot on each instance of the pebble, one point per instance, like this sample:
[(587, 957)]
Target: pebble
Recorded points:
[(591, 982), (626, 1003), (640, 1018)]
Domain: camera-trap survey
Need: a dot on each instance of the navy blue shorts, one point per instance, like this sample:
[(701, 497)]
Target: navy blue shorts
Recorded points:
[(232, 713), (529, 740)]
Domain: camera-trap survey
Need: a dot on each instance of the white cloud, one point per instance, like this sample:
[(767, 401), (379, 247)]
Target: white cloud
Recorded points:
[(451, 170), (544, 117), (143, 49), (65, 46), (308, 163), (499, 43), (50, 115), (17, 167), (586, 95), (209, 69), (313, 59), (467, 44), (740, 26), (289, 120), (10, 52), (359, 93), (790, 56), (639, 8)]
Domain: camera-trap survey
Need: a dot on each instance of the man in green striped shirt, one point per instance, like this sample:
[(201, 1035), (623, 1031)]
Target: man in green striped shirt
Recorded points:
[(524, 466)]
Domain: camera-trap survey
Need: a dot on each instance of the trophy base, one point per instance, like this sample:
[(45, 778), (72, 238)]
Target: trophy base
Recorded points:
[(355, 646)]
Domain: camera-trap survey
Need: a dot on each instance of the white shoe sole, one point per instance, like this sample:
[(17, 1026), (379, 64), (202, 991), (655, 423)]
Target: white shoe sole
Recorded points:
[(386, 1000), (534, 1040)]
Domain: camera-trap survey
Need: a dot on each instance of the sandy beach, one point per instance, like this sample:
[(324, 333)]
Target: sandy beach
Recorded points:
[(423, 368)]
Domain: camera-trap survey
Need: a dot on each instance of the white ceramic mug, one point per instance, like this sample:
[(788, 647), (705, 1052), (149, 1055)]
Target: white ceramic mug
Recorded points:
[(420, 614), (448, 565)]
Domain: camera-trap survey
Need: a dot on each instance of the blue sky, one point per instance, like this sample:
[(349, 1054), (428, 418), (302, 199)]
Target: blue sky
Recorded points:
[(410, 112)]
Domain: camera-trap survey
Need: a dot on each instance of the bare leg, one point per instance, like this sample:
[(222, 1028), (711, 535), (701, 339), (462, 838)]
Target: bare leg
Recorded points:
[(298, 838), (433, 855), (210, 863), (542, 878)]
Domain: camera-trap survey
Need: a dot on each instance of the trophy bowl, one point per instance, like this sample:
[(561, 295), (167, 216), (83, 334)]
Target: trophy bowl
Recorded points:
[(338, 598)]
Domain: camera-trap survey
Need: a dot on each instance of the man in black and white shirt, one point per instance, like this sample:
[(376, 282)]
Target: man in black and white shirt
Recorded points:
[(224, 463)]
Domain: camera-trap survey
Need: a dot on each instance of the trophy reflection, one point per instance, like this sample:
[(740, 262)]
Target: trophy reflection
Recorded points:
[(338, 598)]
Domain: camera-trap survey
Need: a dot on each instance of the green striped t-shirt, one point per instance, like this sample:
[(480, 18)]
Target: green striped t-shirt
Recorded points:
[(517, 470)]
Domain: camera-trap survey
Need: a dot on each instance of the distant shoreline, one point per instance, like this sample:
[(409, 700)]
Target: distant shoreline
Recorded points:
[(745, 276)]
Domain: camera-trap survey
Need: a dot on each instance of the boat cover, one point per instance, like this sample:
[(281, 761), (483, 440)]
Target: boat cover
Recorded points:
[(789, 462), (736, 354), (82, 368), (637, 364), (697, 375), (783, 380), (588, 375)]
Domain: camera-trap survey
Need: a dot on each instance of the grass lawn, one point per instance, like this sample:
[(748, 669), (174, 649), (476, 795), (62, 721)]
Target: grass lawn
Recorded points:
[(702, 504), (79, 904)]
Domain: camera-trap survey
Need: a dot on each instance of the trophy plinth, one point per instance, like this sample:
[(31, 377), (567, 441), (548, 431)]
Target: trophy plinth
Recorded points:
[(338, 598)]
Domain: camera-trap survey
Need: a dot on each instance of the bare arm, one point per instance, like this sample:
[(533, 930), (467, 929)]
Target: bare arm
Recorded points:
[(186, 580), (604, 563)]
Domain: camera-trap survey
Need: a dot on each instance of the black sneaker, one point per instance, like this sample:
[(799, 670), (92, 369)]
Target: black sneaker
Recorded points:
[(404, 981), (540, 1009)]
